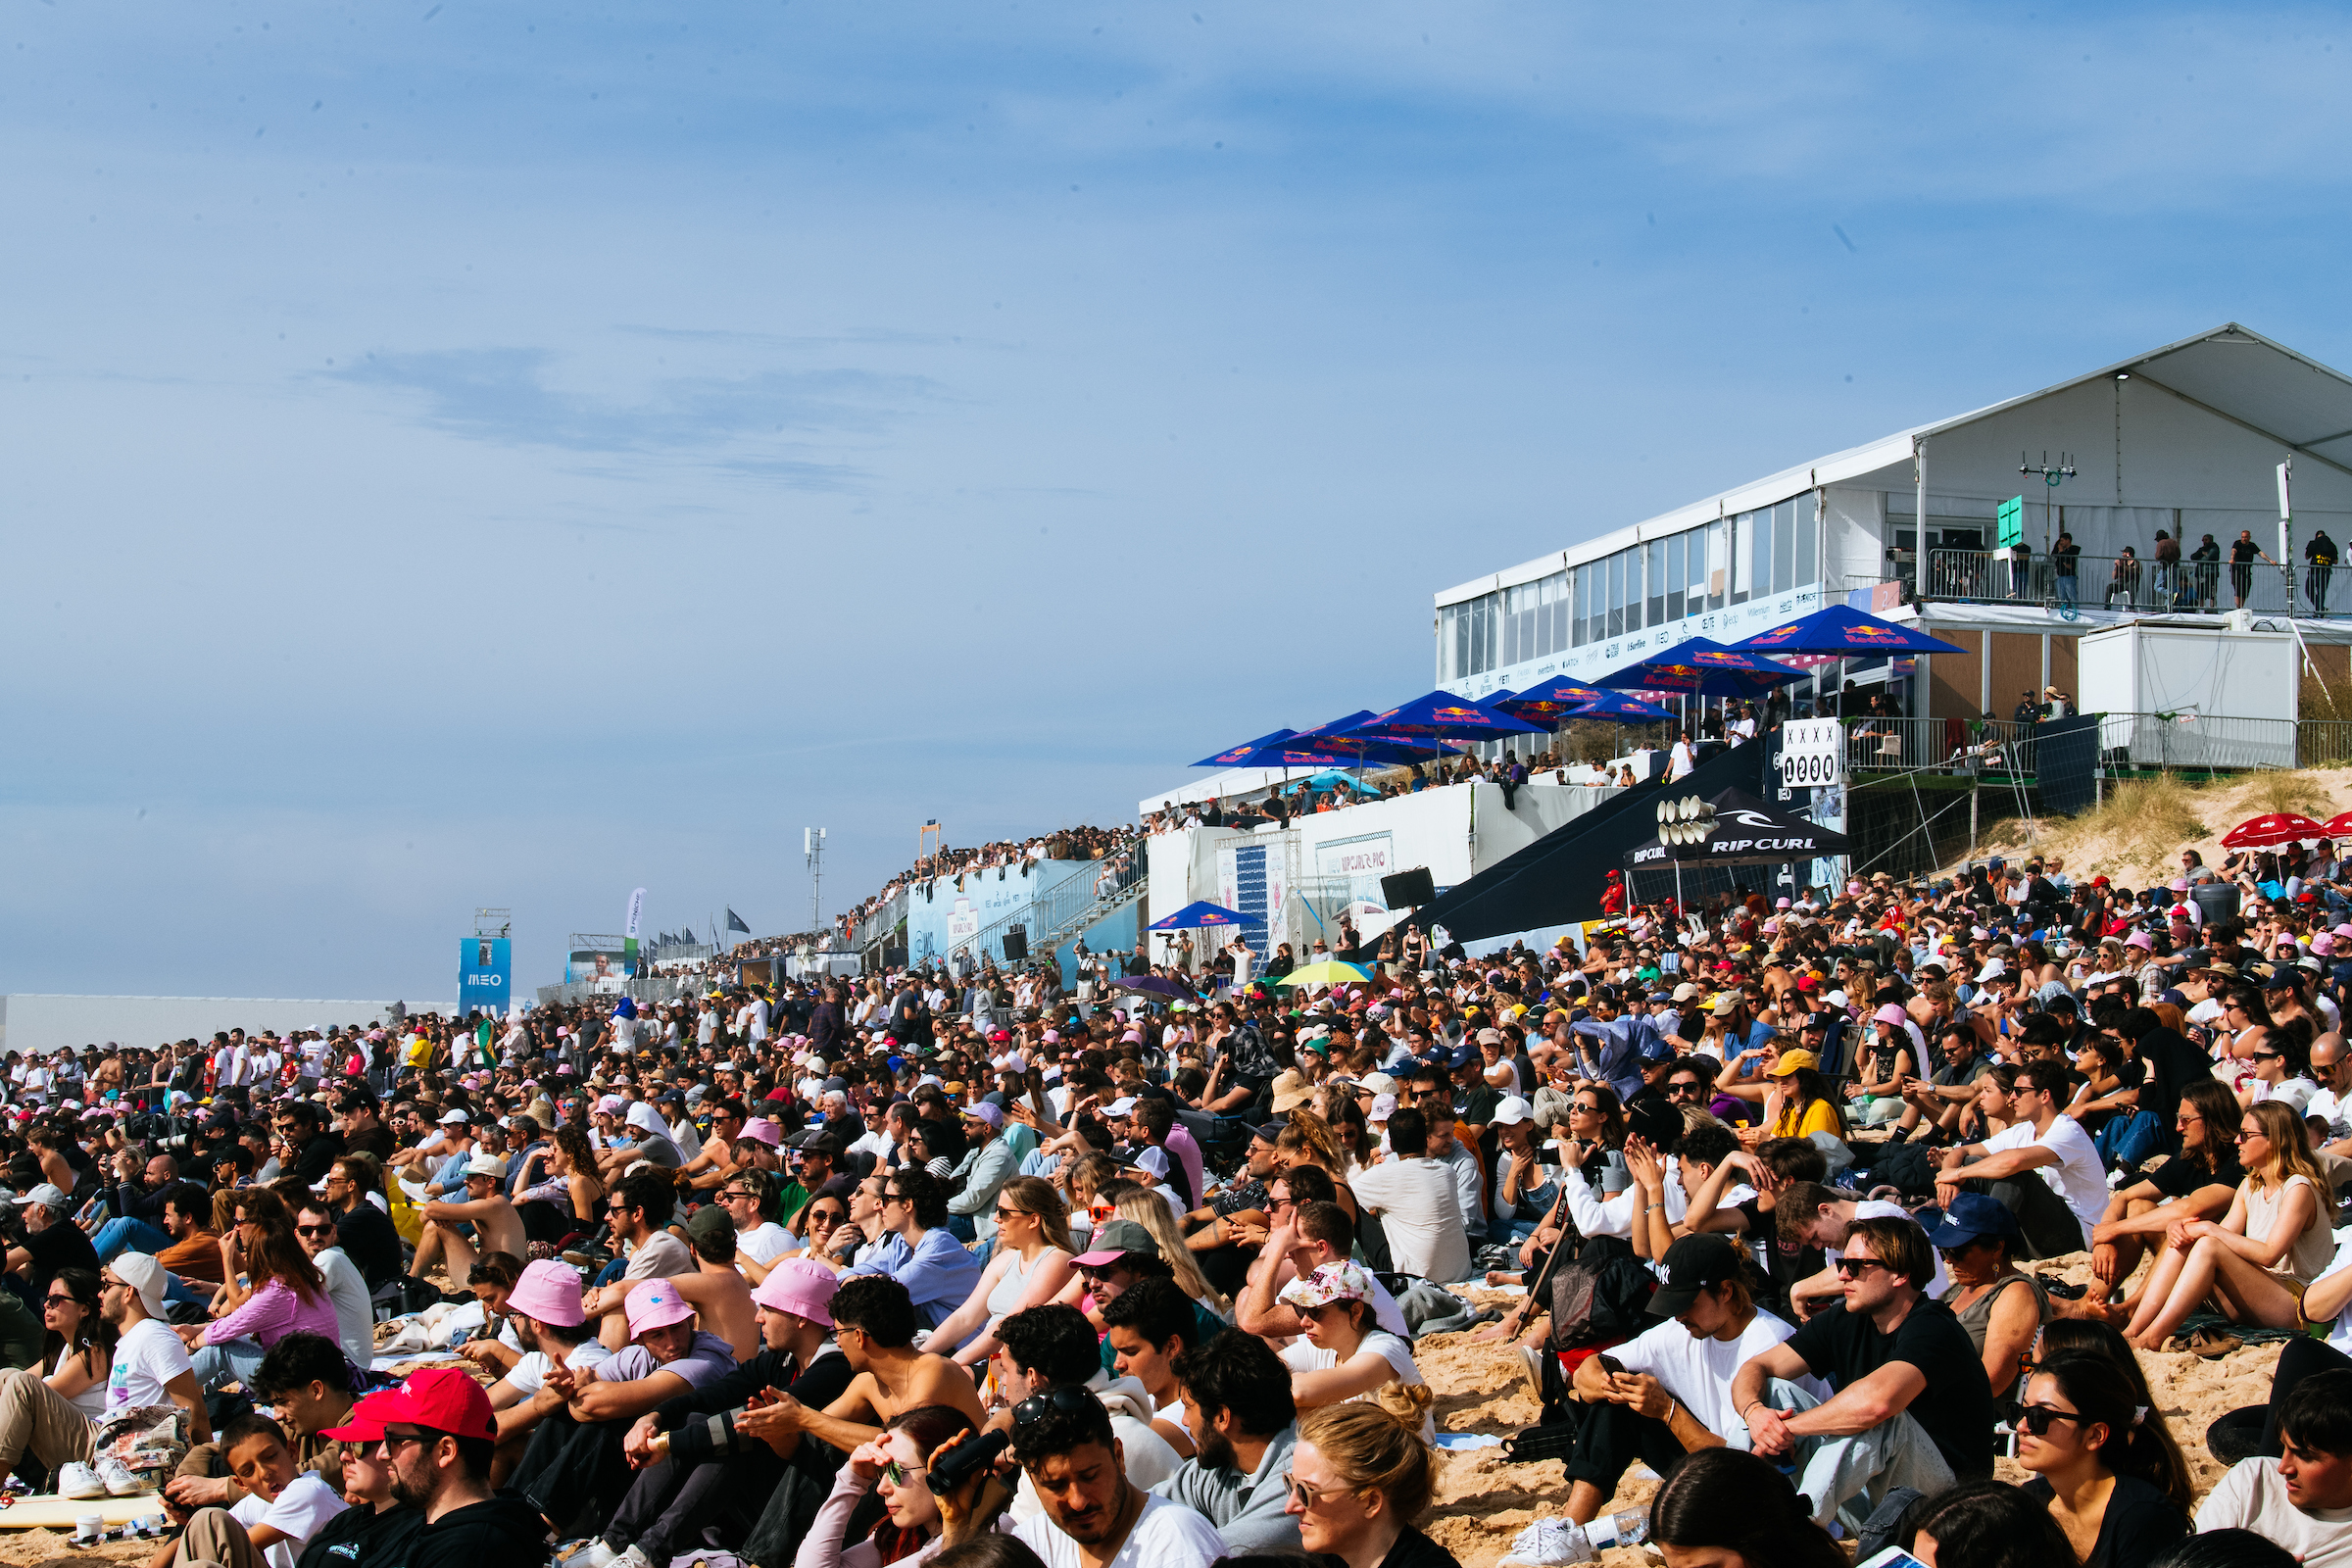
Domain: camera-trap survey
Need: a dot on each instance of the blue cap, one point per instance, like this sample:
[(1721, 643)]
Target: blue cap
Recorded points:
[(1971, 1217), (1463, 1056)]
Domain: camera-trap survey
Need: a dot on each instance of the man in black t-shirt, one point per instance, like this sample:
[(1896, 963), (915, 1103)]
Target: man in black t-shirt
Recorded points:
[(1912, 1406), (2243, 552), (52, 1240), (2171, 1064)]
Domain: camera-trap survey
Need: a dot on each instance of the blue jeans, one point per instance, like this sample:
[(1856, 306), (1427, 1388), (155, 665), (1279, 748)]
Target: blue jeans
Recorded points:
[(216, 1365), (127, 1234), (2066, 590)]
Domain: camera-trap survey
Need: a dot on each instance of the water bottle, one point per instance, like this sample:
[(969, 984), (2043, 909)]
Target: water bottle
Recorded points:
[(1628, 1527)]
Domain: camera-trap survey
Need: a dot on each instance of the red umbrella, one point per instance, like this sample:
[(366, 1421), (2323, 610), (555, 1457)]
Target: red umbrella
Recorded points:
[(2279, 827), (2339, 824)]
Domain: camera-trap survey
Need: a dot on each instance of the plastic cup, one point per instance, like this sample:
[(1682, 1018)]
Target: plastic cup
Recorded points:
[(89, 1525)]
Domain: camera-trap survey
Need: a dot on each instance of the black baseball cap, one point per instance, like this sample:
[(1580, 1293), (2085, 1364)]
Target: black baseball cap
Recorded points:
[(1691, 1264)]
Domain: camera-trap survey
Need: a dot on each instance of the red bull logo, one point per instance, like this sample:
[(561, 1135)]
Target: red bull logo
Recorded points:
[(1468, 715), (1778, 635), (1871, 634), (1722, 660)]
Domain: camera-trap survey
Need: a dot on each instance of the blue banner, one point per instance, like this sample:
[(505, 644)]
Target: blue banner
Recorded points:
[(484, 966)]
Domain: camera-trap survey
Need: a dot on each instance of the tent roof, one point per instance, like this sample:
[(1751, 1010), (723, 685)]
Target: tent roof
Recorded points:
[(2229, 372)]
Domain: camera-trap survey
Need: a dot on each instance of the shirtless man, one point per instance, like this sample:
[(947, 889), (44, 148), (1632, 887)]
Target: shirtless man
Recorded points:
[(719, 1295), (716, 1162), (873, 1324), (496, 1228)]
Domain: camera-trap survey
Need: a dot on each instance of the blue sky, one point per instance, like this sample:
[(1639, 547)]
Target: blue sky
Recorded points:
[(463, 454)]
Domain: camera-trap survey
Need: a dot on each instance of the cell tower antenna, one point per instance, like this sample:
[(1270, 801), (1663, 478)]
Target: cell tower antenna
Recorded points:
[(813, 847)]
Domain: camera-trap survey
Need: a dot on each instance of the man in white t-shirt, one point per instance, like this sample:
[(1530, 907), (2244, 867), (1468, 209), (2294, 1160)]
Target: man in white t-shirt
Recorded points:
[(1672, 1392), (544, 1310), (355, 1314), (1092, 1514), (2056, 1213), (1419, 1205), (2302, 1500), (149, 1367)]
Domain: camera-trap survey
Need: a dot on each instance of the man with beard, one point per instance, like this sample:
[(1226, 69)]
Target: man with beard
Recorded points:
[(1237, 1401), (544, 1309), (439, 1436), (698, 1468), (1092, 1514)]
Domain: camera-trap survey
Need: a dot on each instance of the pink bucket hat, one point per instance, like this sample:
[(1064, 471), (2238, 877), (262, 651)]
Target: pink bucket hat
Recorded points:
[(549, 1291), (800, 1286), (762, 1130), (655, 1306)]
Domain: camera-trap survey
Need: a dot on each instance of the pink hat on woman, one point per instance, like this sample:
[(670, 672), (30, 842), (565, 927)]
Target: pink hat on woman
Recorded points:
[(549, 1291), (1893, 1014), (800, 1286)]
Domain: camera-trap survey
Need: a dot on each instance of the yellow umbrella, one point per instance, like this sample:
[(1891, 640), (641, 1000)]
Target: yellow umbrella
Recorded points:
[(1329, 973)]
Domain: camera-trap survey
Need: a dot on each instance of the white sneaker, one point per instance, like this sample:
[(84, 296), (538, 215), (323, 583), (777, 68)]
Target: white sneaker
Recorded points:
[(79, 1481), (598, 1553), (634, 1557), (119, 1479)]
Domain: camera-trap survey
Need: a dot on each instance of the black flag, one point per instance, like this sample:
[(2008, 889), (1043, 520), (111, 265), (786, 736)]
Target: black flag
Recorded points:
[(735, 923), (687, 935)]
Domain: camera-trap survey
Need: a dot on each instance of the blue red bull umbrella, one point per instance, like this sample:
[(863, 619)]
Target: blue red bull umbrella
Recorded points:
[(1200, 914), (1554, 703), (1236, 755), (1444, 714), (1841, 632), (1697, 667)]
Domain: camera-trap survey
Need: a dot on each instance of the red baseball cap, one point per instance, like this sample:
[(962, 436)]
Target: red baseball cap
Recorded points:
[(365, 1423), (442, 1399)]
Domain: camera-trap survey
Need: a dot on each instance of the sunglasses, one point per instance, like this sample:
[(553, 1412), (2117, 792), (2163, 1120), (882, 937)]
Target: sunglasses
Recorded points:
[(1855, 1267), (57, 1300), (313, 1230), (1068, 1399), (2247, 1138), (1306, 1496), (2036, 1418)]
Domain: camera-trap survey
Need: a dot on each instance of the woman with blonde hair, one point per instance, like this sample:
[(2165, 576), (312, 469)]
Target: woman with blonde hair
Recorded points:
[(1310, 1141), (1360, 1478), (2255, 1263), (1350, 1356), (1028, 1267), (1148, 1210)]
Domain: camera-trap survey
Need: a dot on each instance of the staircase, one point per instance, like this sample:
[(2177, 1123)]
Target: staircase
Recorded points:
[(1065, 911)]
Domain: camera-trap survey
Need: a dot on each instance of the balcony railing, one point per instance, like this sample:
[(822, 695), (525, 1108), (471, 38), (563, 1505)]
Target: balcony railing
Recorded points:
[(2002, 749), (2132, 585)]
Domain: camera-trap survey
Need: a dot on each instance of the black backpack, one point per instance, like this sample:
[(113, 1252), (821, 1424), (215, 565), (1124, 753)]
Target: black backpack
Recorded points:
[(1600, 1298)]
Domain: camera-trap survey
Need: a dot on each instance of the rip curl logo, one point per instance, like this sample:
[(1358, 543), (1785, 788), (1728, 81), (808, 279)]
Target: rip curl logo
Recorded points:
[(1748, 818)]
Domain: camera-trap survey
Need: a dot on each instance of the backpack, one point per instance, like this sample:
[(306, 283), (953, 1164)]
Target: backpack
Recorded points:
[(1906, 1169), (1600, 1298)]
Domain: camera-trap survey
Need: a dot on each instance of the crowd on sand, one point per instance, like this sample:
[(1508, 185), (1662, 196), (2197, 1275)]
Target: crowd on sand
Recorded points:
[(967, 1266)]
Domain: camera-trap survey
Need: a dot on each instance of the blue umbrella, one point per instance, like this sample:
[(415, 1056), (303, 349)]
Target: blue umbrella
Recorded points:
[(1615, 708), (1238, 754), (1443, 714), (1548, 701), (1697, 667), (1843, 633), (1202, 913)]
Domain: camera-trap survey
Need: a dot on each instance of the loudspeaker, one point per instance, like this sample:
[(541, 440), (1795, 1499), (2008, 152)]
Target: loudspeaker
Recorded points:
[(1016, 944), (1409, 889)]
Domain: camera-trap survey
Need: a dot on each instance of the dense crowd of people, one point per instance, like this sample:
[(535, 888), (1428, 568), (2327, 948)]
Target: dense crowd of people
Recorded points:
[(965, 1267)]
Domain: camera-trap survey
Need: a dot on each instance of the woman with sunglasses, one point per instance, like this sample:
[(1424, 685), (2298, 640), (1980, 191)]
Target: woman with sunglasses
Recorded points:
[(1029, 1267), (2105, 1464), (78, 1344), (2282, 1066), (565, 1202), (892, 1464), (2244, 1026), (2273, 1243), (1348, 1354), (1360, 1478)]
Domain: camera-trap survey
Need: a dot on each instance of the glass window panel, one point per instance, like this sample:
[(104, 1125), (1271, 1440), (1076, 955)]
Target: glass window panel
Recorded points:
[(1740, 536), (1783, 545), (1580, 610), (1547, 600), (1678, 573), (1510, 628), (1718, 563), (1528, 597), (1808, 543), (1616, 600), (1657, 583), (1633, 588)]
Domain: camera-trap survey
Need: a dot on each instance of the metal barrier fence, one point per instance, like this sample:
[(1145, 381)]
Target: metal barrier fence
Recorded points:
[(1067, 908), (2118, 582), (2153, 741), (647, 989)]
